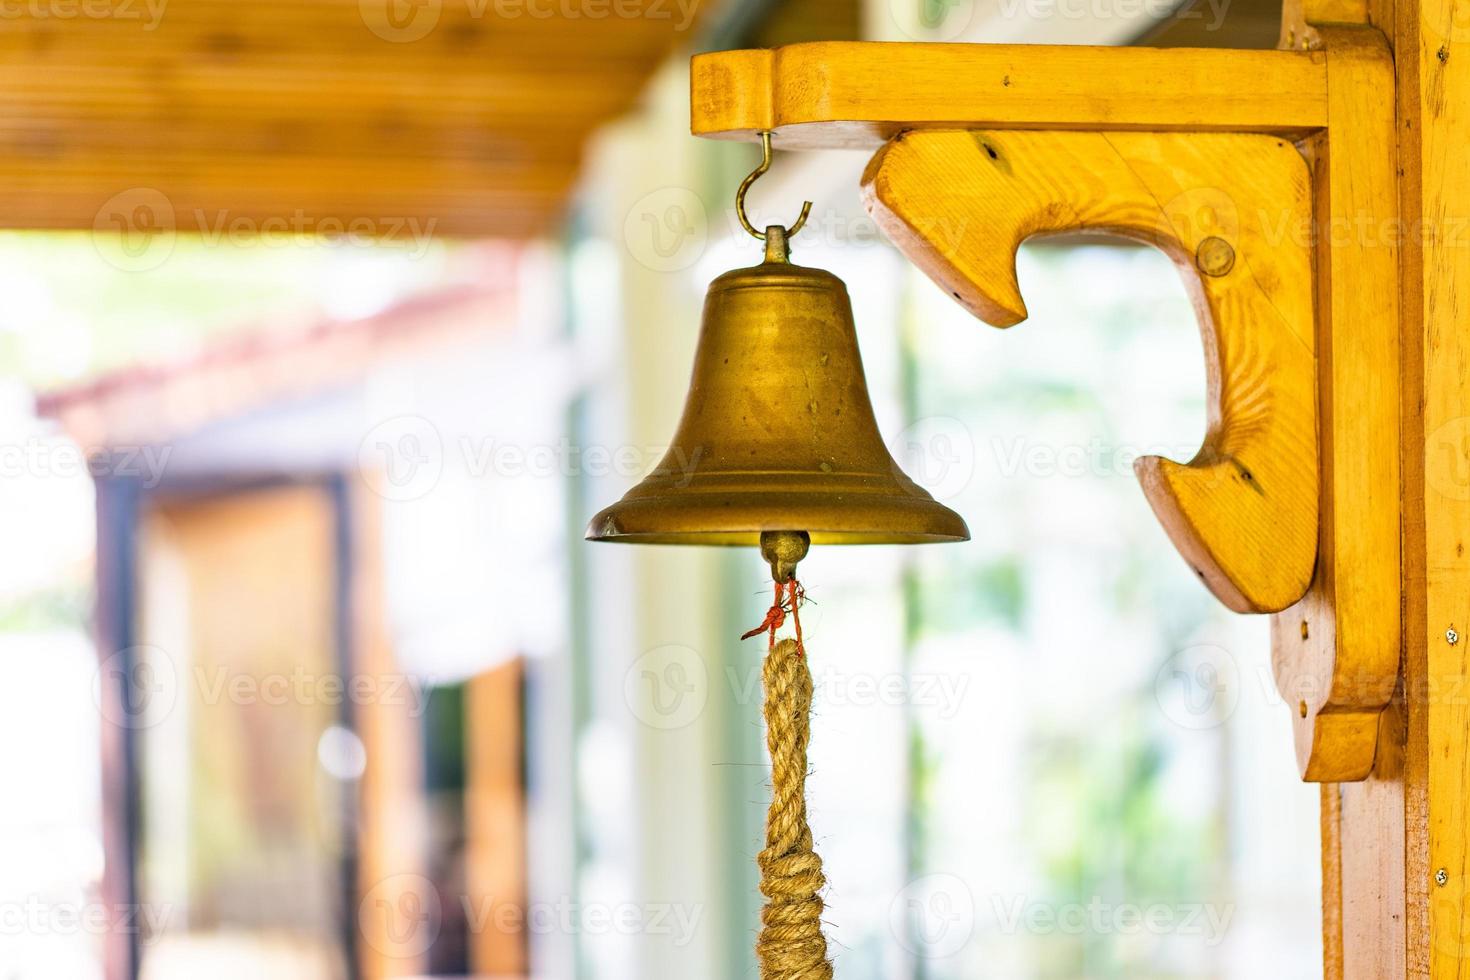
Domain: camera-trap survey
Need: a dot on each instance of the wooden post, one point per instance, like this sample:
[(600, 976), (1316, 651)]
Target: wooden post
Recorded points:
[(1394, 845), (1431, 41)]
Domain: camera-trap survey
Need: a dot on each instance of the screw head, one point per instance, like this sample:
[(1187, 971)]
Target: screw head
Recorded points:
[(1214, 257), (1451, 636), (1441, 877)]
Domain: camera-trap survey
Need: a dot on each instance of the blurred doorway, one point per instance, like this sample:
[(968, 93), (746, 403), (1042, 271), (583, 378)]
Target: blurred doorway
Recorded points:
[(241, 750)]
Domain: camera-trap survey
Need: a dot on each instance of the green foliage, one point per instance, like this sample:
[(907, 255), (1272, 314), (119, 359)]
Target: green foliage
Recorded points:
[(61, 606)]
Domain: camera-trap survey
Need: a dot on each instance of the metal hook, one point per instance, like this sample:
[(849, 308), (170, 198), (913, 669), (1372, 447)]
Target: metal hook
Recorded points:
[(806, 207)]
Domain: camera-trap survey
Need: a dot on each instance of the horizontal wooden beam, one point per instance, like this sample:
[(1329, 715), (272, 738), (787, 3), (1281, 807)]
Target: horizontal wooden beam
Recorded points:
[(859, 94), (227, 195)]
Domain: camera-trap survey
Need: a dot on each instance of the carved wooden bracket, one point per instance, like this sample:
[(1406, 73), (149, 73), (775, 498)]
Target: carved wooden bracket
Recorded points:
[(1234, 212), (1261, 173)]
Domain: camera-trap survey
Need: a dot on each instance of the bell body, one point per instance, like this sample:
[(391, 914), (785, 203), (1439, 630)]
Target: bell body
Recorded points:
[(778, 431)]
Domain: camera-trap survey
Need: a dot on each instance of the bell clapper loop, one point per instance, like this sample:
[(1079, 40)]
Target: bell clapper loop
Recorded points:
[(783, 549), (806, 206)]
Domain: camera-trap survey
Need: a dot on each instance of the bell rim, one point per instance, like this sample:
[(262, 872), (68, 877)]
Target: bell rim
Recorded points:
[(737, 520)]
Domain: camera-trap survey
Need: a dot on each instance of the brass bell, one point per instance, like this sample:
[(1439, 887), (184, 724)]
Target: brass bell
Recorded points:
[(778, 433)]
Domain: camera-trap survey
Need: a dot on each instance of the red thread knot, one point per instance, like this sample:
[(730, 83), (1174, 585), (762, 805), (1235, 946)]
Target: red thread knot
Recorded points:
[(789, 596)]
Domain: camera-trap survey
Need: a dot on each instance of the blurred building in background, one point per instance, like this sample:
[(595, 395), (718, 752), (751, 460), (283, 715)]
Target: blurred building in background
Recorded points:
[(317, 679)]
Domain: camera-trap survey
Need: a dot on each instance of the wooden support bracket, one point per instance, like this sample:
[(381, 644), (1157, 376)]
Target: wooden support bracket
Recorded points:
[(1336, 653), (1234, 212), (1262, 174)]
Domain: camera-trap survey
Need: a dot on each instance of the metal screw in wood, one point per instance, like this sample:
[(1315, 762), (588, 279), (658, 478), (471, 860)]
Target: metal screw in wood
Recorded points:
[(1215, 257)]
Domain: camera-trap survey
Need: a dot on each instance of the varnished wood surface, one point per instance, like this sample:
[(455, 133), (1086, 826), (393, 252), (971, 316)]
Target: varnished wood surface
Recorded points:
[(858, 94), (465, 114), (1336, 654), (1243, 512), (1432, 47)]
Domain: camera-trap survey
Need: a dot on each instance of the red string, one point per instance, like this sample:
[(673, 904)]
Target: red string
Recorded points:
[(789, 596), (798, 596)]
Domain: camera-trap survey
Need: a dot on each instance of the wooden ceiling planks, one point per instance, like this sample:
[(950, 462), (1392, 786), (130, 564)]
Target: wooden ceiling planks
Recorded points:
[(467, 116)]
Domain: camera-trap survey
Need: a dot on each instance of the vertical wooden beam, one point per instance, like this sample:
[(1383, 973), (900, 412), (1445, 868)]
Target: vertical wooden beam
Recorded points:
[(1371, 900), (495, 812), (1331, 819), (1393, 834), (1433, 68), (1336, 653), (395, 903)]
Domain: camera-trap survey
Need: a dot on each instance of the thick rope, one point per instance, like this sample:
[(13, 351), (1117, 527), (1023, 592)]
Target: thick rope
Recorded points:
[(791, 945)]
